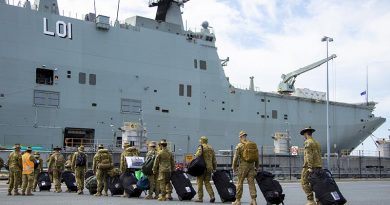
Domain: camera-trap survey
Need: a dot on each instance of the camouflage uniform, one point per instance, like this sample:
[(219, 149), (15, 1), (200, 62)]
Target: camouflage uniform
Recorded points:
[(152, 178), (128, 152), (1, 163), (164, 165), (57, 167), (311, 160), (79, 170), (50, 169), (101, 174), (211, 165), (37, 170), (245, 170), (28, 172), (15, 170), (68, 163)]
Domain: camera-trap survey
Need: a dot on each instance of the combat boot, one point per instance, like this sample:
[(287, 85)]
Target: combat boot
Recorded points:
[(9, 193), (236, 202), (23, 193), (149, 196), (16, 193), (253, 202), (199, 200), (212, 199), (169, 197), (156, 197), (34, 190), (311, 202), (98, 194), (105, 193), (161, 198), (29, 193), (80, 193)]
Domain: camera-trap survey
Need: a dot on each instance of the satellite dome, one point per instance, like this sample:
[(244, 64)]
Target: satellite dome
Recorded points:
[(205, 24)]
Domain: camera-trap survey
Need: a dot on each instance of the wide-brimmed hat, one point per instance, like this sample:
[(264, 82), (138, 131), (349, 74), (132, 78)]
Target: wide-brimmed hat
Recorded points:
[(29, 149), (242, 132), (100, 146), (163, 141), (308, 129), (57, 148), (203, 139), (152, 144), (126, 145)]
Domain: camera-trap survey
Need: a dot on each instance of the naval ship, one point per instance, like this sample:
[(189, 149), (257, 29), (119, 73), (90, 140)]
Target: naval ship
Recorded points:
[(65, 79)]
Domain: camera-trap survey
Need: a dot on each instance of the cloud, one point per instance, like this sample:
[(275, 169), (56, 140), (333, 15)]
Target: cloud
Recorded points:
[(266, 38)]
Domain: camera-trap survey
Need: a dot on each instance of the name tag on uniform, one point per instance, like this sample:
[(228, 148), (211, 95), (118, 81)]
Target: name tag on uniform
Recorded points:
[(135, 162)]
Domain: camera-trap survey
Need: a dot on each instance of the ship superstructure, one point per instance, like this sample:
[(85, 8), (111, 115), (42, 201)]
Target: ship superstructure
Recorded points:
[(64, 79)]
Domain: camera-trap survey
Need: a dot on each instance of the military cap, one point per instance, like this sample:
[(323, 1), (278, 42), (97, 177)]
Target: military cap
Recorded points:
[(29, 149), (152, 144), (242, 132), (126, 145), (16, 146), (308, 129), (57, 148), (101, 146), (203, 139), (163, 141)]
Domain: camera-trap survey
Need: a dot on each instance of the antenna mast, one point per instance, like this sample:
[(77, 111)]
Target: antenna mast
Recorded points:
[(117, 11)]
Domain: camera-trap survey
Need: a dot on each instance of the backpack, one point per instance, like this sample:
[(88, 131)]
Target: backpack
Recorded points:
[(104, 161), (59, 161), (147, 167), (81, 160), (250, 152)]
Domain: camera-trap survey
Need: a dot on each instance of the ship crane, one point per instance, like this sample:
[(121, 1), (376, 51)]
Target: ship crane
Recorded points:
[(286, 86)]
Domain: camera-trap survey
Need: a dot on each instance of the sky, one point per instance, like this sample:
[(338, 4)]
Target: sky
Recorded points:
[(267, 38)]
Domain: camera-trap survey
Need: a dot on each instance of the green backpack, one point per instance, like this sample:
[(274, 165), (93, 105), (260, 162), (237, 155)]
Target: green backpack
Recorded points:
[(250, 152)]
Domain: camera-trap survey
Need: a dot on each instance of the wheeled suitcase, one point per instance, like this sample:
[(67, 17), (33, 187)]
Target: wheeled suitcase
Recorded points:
[(182, 185), (88, 174), (114, 185), (129, 184), (325, 188), (91, 184), (70, 180), (224, 183), (271, 189), (44, 183)]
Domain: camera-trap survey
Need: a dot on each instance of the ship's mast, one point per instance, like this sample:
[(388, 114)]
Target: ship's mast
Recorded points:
[(168, 10), (49, 6)]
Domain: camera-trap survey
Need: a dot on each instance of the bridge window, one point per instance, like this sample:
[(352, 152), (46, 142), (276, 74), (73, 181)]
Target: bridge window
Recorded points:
[(203, 65), (44, 76)]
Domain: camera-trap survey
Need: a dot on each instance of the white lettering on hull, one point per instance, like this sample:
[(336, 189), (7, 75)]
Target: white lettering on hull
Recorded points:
[(63, 30)]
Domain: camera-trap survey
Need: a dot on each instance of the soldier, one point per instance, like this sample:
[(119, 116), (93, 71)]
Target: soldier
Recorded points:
[(102, 162), (311, 160), (15, 168), (1, 163), (28, 172), (123, 158), (79, 166), (245, 169), (38, 168), (170, 187), (152, 178), (49, 169), (68, 163), (56, 165), (164, 165), (211, 166)]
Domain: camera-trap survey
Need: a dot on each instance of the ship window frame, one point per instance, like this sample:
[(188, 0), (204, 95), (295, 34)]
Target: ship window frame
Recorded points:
[(274, 114), (92, 79), (189, 90), (195, 63), (181, 89), (82, 78), (44, 98), (202, 64)]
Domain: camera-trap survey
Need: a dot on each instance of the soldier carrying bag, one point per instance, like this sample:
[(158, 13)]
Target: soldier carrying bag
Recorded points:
[(250, 152), (147, 167), (81, 159), (325, 188), (197, 166), (104, 161)]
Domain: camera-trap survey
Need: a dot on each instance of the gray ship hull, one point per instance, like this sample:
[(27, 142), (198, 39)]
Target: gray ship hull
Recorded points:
[(138, 74)]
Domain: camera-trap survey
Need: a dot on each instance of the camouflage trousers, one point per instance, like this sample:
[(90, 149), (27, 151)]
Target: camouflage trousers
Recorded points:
[(101, 177), (204, 179), (28, 180), (153, 185), (57, 179), (305, 184), (14, 182), (248, 172), (164, 180), (36, 172), (80, 176)]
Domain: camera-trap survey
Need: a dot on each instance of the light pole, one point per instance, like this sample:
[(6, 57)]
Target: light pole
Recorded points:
[(327, 39)]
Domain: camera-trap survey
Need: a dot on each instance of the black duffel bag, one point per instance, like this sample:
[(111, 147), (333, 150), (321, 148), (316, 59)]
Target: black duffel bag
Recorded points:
[(197, 166), (325, 188)]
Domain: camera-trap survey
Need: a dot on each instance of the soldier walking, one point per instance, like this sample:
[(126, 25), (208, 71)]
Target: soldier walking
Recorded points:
[(15, 168), (50, 169), (56, 164), (311, 160), (163, 166), (152, 153), (38, 168), (211, 166), (79, 166), (102, 162), (245, 164), (28, 172)]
